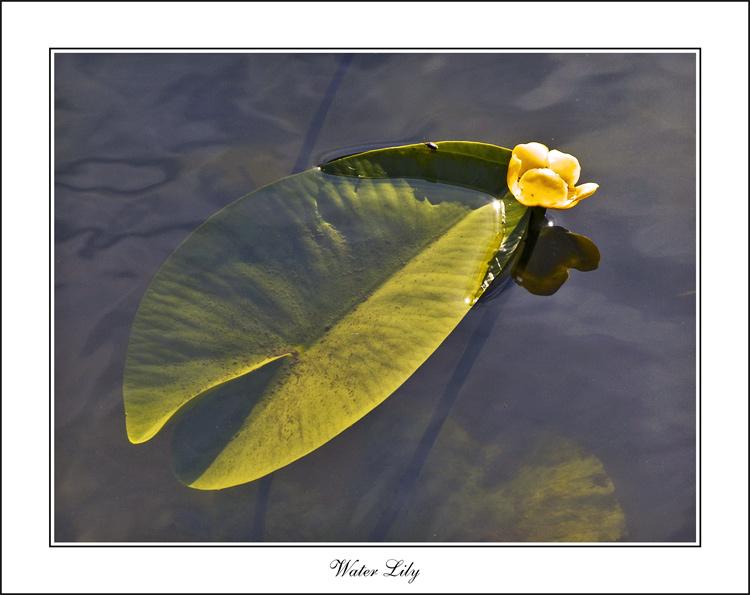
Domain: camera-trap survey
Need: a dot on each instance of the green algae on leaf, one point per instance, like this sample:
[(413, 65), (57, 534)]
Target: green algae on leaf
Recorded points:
[(297, 309)]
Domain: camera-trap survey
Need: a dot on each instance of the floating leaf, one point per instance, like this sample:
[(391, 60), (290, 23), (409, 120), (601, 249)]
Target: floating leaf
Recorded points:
[(296, 310)]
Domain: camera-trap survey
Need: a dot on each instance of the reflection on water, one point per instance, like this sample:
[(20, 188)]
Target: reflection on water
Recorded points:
[(548, 253), (585, 397)]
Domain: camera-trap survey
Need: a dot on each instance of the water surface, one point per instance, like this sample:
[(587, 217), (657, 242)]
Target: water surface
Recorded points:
[(598, 377)]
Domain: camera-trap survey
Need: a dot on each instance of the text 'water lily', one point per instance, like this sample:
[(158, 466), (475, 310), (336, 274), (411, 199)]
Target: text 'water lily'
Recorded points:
[(538, 177)]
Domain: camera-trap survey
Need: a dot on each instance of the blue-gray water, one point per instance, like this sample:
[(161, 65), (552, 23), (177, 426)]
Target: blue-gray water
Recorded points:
[(148, 146)]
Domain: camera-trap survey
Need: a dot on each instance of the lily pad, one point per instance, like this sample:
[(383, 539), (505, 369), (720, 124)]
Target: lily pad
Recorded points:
[(297, 309)]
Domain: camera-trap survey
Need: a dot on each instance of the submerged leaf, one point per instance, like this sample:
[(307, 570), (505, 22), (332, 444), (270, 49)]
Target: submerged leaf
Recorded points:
[(296, 310), (545, 488)]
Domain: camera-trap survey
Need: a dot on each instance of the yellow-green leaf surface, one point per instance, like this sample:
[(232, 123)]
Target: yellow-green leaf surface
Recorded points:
[(296, 310)]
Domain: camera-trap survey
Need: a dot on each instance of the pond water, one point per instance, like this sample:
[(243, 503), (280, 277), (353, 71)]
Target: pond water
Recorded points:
[(541, 418)]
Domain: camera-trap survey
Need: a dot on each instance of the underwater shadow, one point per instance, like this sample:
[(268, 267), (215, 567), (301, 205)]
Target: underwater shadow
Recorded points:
[(540, 266)]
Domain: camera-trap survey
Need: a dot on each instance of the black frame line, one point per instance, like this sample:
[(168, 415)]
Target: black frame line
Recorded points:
[(392, 545)]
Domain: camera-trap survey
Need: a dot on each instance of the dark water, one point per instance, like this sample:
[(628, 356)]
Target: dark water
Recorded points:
[(601, 373)]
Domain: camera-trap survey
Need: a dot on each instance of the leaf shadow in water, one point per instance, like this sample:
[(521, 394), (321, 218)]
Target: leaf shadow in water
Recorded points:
[(481, 333), (540, 266)]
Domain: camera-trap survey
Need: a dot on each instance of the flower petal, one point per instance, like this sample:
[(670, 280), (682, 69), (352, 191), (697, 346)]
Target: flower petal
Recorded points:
[(585, 190), (575, 195), (532, 155), (514, 173), (567, 205), (542, 188), (565, 165)]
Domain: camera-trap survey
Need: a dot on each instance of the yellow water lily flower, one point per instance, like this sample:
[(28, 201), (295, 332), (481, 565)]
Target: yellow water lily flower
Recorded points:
[(538, 177)]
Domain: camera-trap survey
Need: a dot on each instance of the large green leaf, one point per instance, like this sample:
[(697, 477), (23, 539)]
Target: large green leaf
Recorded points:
[(296, 310)]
